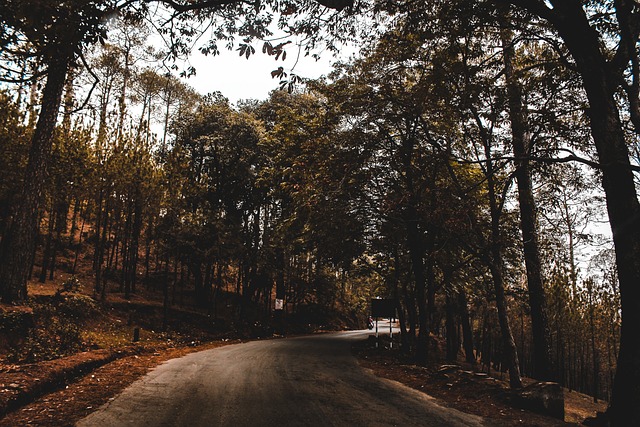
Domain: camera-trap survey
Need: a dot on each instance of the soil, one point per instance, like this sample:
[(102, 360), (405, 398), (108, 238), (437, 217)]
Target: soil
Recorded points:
[(74, 399), (460, 386)]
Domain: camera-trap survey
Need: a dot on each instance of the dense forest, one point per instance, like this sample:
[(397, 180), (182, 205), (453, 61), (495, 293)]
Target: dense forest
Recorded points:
[(471, 163)]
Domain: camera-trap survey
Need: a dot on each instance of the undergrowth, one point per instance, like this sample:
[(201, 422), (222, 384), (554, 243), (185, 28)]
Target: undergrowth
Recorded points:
[(56, 330)]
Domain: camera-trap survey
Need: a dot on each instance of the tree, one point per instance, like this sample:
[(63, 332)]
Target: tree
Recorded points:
[(601, 41), (393, 104), (51, 32), (607, 68), (13, 155), (521, 143), (55, 35), (215, 161)]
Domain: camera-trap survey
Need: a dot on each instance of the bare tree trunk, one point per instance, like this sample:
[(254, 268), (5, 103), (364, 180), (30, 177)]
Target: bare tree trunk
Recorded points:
[(542, 362), (216, 291), (404, 339), (165, 295), (75, 258), (451, 330), (622, 201), (135, 239), (496, 266), (19, 237), (416, 252), (467, 333), (46, 252), (602, 77), (62, 210), (101, 282)]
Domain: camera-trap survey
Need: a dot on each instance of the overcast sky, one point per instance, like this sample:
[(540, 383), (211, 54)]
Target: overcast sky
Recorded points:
[(240, 78)]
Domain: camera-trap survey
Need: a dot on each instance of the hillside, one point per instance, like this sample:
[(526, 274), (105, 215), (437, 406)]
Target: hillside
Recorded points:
[(98, 358)]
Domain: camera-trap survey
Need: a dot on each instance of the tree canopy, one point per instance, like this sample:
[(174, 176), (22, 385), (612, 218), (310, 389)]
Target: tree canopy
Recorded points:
[(451, 166)]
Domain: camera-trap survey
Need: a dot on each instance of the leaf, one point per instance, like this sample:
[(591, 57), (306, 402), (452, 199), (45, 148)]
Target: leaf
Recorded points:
[(278, 73), (290, 9), (246, 50), (250, 51)]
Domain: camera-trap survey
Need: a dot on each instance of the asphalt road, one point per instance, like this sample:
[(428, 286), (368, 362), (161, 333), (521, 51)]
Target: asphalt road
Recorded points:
[(304, 381)]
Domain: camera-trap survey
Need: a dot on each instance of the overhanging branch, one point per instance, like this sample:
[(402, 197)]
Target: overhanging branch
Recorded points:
[(96, 80), (198, 5), (571, 157), (205, 4)]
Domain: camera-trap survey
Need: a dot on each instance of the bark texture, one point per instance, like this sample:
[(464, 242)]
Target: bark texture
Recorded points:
[(600, 84), (19, 238), (542, 361)]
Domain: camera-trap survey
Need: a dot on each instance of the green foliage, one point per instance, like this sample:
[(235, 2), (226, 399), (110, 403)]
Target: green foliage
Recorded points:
[(58, 332), (14, 138), (14, 322), (69, 285), (45, 29), (52, 328), (77, 307), (213, 169), (58, 339)]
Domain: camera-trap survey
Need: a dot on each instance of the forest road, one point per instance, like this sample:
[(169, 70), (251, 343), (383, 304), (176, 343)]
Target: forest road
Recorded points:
[(302, 381)]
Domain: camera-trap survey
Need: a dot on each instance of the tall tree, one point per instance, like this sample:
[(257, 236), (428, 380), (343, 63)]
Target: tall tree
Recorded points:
[(606, 69), (56, 33), (53, 32), (521, 143)]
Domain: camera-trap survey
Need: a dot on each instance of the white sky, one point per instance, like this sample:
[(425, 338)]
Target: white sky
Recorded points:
[(239, 78)]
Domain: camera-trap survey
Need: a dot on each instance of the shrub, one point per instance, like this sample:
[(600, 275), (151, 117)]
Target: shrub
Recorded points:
[(55, 333)]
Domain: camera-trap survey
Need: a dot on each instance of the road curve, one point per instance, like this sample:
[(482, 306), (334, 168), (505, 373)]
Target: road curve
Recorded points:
[(303, 381)]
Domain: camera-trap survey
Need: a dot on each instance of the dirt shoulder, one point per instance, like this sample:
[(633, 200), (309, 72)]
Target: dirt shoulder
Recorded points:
[(68, 400), (459, 386)]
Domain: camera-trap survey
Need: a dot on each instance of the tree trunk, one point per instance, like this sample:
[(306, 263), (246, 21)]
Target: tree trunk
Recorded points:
[(101, 282), (216, 292), (77, 211), (19, 238), (75, 257), (452, 336), (594, 353), (622, 201), (496, 266), (46, 252), (601, 81), (485, 353), (467, 333), (54, 255), (542, 362), (416, 252), (402, 319), (165, 295), (510, 354), (62, 211)]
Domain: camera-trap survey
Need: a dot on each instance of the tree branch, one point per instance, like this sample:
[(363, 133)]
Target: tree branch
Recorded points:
[(572, 157), (198, 5), (96, 80), (536, 7)]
